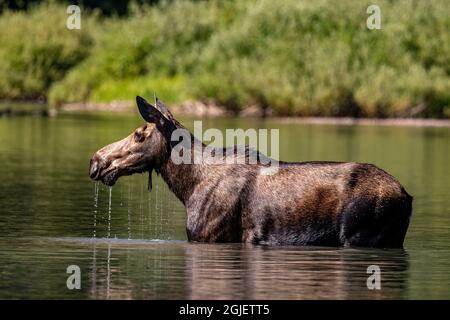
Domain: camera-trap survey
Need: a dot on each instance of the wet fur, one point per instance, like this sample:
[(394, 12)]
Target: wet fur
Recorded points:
[(309, 203)]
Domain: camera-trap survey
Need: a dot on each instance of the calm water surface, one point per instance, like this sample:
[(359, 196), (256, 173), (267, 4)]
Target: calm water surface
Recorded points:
[(130, 243)]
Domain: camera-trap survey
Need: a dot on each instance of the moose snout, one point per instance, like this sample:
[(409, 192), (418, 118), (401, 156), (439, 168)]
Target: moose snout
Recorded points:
[(94, 169)]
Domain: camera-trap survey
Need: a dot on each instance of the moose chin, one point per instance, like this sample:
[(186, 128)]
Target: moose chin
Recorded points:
[(302, 203)]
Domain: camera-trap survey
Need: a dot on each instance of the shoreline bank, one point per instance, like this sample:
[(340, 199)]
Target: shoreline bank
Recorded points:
[(347, 121), (210, 109), (198, 109)]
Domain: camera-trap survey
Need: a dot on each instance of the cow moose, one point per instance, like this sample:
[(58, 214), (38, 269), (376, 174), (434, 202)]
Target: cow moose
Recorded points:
[(302, 203)]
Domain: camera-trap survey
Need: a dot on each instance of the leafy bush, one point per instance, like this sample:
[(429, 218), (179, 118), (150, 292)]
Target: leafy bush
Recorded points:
[(314, 58), (296, 57), (37, 50), (158, 42)]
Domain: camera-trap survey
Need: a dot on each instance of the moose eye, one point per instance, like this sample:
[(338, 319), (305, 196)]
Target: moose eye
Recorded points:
[(138, 136)]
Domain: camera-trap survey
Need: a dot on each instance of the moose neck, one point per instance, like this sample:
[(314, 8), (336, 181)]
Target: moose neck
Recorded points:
[(183, 178)]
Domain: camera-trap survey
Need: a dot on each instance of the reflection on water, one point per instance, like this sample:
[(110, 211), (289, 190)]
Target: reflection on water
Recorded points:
[(132, 244), (122, 269), (291, 273)]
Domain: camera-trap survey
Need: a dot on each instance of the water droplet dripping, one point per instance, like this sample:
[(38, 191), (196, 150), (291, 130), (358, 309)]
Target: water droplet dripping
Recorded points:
[(130, 198), (96, 187), (109, 212), (156, 211)]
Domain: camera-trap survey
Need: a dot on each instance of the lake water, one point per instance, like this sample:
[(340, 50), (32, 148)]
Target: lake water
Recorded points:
[(133, 244)]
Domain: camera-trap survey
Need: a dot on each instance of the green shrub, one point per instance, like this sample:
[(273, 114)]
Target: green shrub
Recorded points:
[(296, 57), (37, 50), (318, 58), (172, 89), (159, 42)]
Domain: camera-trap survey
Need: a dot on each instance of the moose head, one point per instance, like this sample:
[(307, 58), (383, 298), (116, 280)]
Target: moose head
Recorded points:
[(143, 150)]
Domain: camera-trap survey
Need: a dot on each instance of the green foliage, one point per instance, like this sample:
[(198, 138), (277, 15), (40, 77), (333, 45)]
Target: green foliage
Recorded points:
[(296, 57), (156, 42), (314, 58), (172, 89), (37, 50)]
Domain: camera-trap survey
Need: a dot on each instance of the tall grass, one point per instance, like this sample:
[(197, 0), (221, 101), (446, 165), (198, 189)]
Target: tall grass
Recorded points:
[(296, 57)]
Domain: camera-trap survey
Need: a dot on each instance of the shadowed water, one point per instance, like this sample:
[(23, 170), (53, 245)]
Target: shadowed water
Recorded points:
[(130, 243)]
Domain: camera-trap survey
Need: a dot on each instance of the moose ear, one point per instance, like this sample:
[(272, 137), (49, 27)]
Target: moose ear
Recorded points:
[(153, 115), (147, 111)]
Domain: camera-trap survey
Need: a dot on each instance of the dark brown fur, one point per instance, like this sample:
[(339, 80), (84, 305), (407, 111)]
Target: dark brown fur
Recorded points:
[(306, 203)]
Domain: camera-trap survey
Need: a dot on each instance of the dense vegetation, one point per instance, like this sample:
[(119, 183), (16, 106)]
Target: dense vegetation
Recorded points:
[(296, 57)]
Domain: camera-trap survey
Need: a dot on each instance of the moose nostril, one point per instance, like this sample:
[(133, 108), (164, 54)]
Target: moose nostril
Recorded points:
[(94, 169)]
